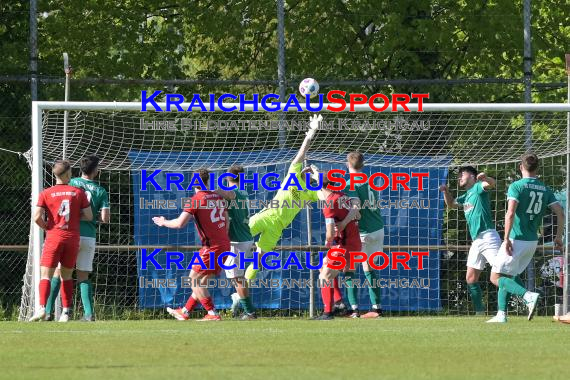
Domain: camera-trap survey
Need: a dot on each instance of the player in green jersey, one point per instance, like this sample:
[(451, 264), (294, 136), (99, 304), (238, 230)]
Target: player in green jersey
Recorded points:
[(269, 223), (240, 241), (371, 225), (99, 200), (527, 199), (486, 240)]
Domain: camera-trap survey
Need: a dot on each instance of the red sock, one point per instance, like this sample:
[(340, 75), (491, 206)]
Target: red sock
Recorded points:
[(191, 303), (337, 292), (66, 293), (208, 303), (327, 294), (45, 288)]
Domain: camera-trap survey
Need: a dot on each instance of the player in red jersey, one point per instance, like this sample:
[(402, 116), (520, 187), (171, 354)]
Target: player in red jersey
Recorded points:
[(212, 223), (341, 232), (65, 206)]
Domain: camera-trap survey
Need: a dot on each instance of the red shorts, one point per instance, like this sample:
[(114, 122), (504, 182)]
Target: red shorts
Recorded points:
[(205, 256), (346, 255), (60, 249)]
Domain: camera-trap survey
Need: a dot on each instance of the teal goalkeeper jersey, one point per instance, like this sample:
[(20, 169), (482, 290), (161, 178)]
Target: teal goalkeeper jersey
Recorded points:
[(239, 218), (477, 209), (99, 200), (532, 198), (371, 219)]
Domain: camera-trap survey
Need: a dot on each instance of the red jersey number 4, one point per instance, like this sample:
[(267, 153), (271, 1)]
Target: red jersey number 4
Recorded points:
[(63, 205)]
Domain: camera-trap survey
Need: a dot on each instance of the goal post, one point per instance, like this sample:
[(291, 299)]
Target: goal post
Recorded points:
[(485, 135)]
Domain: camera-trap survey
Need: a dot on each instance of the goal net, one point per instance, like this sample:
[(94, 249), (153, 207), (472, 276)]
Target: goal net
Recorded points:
[(490, 137)]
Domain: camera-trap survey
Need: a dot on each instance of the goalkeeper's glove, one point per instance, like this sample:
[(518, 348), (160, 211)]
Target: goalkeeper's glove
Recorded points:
[(315, 171), (314, 125)]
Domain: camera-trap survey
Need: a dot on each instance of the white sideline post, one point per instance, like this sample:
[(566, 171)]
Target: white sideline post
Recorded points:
[(37, 184)]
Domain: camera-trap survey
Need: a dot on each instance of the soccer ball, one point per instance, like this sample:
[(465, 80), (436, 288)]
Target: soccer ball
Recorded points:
[(553, 269), (309, 87)]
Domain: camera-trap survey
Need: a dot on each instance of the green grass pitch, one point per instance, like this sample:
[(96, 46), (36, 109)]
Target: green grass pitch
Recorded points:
[(391, 348)]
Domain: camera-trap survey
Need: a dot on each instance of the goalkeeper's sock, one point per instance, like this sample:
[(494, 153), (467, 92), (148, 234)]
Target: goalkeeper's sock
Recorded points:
[(511, 286), (373, 290), (337, 292), (86, 297), (476, 296), (351, 290), (66, 293), (327, 294), (247, 305), (44, 289), (55, 284)]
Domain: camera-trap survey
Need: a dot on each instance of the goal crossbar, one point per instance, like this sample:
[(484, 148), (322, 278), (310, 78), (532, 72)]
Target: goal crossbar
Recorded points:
[(427, 107)]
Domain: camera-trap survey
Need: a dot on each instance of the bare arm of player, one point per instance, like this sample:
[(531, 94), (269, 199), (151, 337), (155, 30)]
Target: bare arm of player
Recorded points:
[(447, 197), (228, 221), (226, 194), (314, 125), (487, 182), (87, 214), (39, 218), (179, 222), (330, 233), (559, 212), (105, 215), (353, 214), (509, 220)]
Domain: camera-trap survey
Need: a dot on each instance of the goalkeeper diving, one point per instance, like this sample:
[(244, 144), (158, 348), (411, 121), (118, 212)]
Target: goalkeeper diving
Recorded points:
[(269, 223)]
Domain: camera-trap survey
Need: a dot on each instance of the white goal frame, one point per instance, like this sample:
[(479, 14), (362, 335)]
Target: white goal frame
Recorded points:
[(37, 234)]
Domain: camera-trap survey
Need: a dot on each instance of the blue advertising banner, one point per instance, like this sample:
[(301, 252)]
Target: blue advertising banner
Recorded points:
[(414, 227)]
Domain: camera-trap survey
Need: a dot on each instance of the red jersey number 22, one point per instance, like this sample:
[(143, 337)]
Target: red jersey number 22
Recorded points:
[(220, 215)]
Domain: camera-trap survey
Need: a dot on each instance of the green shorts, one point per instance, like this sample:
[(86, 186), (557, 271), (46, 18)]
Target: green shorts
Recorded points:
[(269, 230)]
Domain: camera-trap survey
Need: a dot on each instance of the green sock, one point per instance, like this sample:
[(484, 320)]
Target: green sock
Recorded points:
[(503, 298), (85, 287), (373, 290), (519, 281), (511, 286), (350, 289), (54, 291), (247, 305), (476, 296)]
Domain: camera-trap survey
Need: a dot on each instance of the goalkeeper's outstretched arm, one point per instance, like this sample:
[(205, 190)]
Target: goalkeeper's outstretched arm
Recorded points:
[(313, 126)]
